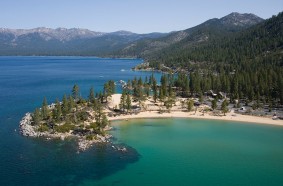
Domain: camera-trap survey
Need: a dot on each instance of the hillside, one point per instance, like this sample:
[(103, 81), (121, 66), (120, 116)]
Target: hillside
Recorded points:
[(264, 40), (247, 63), (205, 32)]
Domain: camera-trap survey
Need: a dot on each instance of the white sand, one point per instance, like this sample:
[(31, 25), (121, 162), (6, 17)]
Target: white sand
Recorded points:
[(178, 113), (114, 100), (198, 115)]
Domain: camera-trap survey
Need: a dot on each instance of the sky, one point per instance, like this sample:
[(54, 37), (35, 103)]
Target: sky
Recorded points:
[(139, 16)]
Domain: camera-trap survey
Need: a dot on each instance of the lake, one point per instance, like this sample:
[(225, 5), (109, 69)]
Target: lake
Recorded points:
[(160, 151)]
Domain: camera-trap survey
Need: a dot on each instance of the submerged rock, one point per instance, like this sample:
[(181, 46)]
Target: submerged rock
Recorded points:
[(84, 144)]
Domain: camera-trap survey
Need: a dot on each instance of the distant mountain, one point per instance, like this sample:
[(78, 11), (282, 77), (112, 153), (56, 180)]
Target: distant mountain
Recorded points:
[(61, 34), (76, 41), (62, 41), (204, 32)]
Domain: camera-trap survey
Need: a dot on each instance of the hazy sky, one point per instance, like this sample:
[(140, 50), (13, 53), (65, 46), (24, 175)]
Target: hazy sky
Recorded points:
[(140, 16)]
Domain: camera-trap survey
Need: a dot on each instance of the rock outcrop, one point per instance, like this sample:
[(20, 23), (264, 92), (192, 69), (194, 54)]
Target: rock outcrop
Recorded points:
[(26, 128)]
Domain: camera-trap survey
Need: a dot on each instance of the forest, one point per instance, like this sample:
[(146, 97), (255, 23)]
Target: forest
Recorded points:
[(245, 65)]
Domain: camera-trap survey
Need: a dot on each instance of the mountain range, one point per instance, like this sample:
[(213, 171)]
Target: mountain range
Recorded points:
[(62, 41), (75, 41)]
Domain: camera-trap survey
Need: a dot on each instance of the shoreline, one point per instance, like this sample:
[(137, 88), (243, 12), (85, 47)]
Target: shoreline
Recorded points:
[(152, 112), (190, 115)]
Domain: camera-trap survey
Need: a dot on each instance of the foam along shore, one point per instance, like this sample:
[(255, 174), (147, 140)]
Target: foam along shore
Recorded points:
[(152, 111), (26, 129)]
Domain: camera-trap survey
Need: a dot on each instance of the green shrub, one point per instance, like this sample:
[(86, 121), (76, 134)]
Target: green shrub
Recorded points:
[(43, 128), (82, 116), (64, 128), (90, 137)]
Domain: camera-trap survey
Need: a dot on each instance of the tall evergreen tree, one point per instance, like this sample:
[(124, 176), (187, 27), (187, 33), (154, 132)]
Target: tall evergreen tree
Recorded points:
[(108, 89), (190, 105), (65, 105), (154, 89), (128, 102), (75, 92), (58, 110), (164, 84), (122, 104), (99, 114), (91, 97), (36, 117), (104, 121), (214, 104), (44, 108), (71, 103), (224, 107)]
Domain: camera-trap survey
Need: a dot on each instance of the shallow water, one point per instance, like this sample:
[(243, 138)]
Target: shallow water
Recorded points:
[(200, 152)]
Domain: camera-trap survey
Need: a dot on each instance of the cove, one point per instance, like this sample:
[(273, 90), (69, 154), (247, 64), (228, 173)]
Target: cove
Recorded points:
[(199, 152)]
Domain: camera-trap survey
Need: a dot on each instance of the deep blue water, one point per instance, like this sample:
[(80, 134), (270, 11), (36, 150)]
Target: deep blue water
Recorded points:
[(24, 81)]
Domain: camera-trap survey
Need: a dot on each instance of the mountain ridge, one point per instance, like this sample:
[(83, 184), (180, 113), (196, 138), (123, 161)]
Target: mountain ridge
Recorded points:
[(215, 27), (63, 41), (76, 41), (68, 33)]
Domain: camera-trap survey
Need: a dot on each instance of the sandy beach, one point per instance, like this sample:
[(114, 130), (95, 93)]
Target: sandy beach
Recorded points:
[(179, 113)]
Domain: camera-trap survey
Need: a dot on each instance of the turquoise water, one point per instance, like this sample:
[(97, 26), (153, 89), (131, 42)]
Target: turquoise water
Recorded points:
[(200, 152), (160, 151)]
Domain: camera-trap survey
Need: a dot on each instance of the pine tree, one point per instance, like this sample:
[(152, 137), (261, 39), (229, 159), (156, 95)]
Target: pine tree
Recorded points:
[(128, 103), (147, 89), (154, 89), (122, 104), (91, 96), (58, 110), (190, 105), (75, 92), (36, 117), (65, 105), (161, 95), (44, 109), (108, 89), (168, 104), (214, 104), (100, 97), (224, 107), (186, 88), (170, 90), (71, 103), (164, 83), (99, 115), (104, 121), (146, 80)]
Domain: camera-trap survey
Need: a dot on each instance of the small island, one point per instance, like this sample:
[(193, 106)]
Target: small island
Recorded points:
[(88, 120)]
